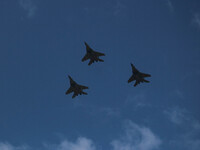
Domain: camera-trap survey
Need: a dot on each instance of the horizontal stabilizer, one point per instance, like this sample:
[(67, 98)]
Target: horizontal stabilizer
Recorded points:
[(136, 83), (91, 61), (74, 95), (146, 81), (100, 60), (84, 93)]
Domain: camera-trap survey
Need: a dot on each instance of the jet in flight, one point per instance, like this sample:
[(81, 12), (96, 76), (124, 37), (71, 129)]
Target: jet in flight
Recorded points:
[(76, 88), (138, 76), (92, 55)]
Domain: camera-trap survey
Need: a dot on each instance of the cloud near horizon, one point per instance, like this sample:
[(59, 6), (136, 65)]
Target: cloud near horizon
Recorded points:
[(8, 146), (135, 138), (81, 143)]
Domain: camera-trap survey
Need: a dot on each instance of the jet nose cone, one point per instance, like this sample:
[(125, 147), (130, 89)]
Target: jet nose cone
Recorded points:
[(69, 77)]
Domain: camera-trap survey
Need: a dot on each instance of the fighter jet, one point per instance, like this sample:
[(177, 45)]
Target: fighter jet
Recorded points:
[(138, 76), (76, 88), (92, 55)]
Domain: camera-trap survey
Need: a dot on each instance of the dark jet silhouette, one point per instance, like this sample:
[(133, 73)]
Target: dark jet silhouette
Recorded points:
[(92, 55), (76, 88), (138, 76)]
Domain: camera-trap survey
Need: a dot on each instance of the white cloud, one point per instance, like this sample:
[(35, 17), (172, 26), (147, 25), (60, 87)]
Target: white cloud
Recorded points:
[(81, 143), (176, 115), (136, 138), (190, 127), (196, 20), (28, 6), (7, 146)]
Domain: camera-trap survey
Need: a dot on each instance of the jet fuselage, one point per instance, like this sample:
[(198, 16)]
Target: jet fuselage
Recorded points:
[(93, 56)]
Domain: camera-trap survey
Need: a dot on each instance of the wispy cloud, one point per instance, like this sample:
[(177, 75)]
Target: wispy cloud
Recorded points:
[(196, 19), (136, 138), (176, 115), (82, 143), (179, 94), (29, 6), (110, 111), (189, 139), (118, 7), (170, 5), (7, 146), (137, 101)]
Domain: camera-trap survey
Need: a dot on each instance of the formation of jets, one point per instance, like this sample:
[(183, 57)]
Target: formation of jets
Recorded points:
[(94, 57)]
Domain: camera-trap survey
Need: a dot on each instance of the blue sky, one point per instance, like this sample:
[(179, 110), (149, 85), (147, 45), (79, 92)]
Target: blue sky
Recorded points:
[(42, 41)]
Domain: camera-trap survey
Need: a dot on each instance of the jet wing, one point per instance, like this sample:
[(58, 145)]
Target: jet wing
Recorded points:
[(69, 90), (86, 57), (145, 75), (83, 87), (99, 54), (131, 79)]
